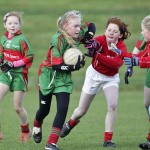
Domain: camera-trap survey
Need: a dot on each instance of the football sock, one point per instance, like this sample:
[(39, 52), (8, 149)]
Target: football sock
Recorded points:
[(25, 128), (37, 123), (148, 137), (73, 123), (54, 136), (107, 136)]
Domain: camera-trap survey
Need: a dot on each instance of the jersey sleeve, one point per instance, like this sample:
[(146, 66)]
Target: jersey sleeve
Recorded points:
[(144, 62), (144, 59), (113, 63), (113, 60), (27, 52)]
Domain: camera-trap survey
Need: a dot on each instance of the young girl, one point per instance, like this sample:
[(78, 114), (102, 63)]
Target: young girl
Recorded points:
[(141, 59), (16, 57), (55, 76), (102, 74), (140, 45)]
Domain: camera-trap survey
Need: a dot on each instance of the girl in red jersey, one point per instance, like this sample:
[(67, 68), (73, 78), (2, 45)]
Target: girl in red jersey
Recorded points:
[(102, 74), (16, 57), (142, 59)]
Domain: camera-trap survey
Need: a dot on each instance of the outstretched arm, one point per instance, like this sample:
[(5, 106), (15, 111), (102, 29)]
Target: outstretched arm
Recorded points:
[(120, 53)]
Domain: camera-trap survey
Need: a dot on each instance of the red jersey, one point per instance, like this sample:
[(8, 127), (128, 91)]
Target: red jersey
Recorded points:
[(141, 43), (108, 62), (138, 44), (144, 57)]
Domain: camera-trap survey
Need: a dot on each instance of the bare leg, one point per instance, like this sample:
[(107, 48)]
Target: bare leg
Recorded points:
[(18, 106), (147, 99), (84, 103), (3, 90), (146, 145), (111, 94)]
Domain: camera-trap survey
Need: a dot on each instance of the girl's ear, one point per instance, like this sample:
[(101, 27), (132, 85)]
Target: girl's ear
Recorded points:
[(65, 26), (120, 36), (4, 25)]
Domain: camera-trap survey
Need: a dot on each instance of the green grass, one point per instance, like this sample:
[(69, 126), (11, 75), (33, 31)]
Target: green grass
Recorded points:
[(40, 19), (131, 126)]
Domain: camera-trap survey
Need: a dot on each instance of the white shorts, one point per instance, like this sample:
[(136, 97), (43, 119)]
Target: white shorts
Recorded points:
[(95, 81)]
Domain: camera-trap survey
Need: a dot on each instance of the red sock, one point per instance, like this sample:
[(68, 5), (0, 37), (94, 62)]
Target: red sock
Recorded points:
[(25, 128), (73, 123), (37, 123), (54, 136), (148, 137), (107, 136)]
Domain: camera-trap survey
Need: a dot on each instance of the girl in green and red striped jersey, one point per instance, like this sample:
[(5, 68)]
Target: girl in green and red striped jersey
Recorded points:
[(16, 57), (55, 75)]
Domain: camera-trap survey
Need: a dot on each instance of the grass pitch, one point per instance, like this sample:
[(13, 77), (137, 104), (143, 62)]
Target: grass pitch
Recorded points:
[(40, 19)]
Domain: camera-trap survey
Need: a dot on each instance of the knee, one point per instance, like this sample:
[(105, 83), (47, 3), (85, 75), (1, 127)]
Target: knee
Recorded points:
[(113, 107), (45, 112), (18, 109)]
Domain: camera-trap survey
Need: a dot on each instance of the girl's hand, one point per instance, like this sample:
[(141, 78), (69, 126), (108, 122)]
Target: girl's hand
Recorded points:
[(115, 49), (7, 66), (128, 73), (134, 61)]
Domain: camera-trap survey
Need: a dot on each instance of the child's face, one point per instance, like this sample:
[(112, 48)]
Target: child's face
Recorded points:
[(12, 24), (73, 27), (112, 33), (145, 33)]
